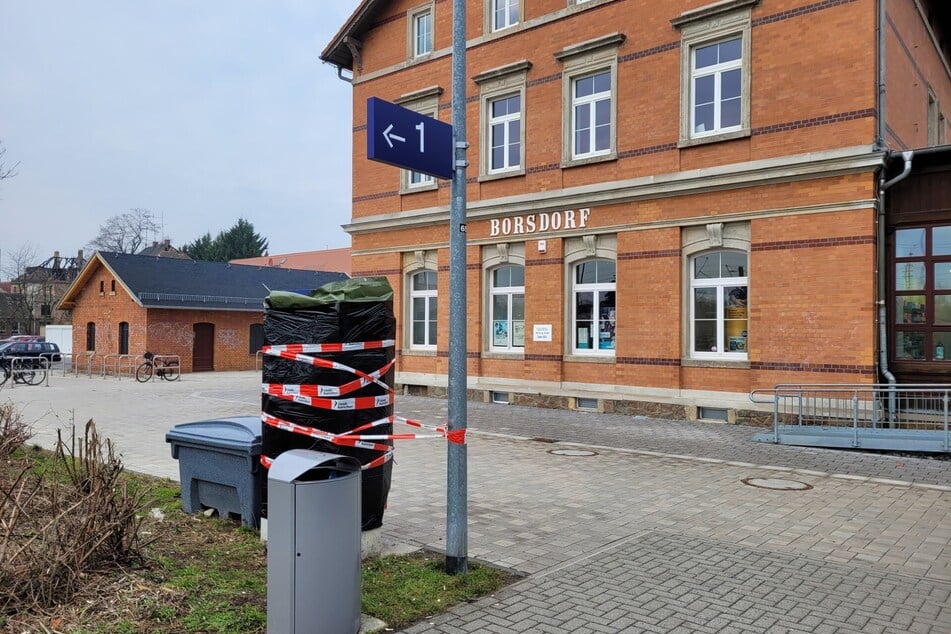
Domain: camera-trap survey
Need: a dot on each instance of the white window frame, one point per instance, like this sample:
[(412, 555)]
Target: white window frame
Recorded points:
[(413, 18), (717, 71), (494, 84), (580, 61), (705, 26), (718, 283), (595, 288), (590, 103), (493, 7), (505, 121), (509, 293), (425, 101), (430, 297)]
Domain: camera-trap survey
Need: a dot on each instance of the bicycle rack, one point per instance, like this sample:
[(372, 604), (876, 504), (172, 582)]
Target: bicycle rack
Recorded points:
[(35, 363), (105, 363)]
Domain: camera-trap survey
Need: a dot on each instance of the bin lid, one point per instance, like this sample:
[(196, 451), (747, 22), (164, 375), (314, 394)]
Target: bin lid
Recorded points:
[(292, 464), (239, 433)]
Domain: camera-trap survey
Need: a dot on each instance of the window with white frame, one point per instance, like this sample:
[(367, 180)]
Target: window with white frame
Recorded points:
[(502, 134), (504, 13), (505, 133), (421, 31), (591, 115), (594, 315), (507, 305), (425, 102), (589, 90), (715, 72), (719, 322), (423, 309), (716, 90)]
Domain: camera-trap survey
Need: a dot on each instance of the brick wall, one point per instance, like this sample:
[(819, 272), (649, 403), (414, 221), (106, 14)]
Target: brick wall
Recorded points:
[(159, 331), (812, 236)]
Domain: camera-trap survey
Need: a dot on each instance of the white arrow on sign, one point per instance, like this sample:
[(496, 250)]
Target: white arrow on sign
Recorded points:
[(394, 137)]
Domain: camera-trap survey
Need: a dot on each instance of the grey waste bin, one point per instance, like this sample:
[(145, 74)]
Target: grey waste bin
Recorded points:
[(219, 466), (313, 550)]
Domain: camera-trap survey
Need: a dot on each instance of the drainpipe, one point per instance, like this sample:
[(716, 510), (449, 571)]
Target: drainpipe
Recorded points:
[(882, 312), (880, 63)]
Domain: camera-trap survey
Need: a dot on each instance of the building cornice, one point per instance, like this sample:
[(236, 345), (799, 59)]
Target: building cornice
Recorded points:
[(734, 176)]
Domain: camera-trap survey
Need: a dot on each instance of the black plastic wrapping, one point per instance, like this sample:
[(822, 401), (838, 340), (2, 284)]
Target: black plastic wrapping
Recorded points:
[(333, 322)]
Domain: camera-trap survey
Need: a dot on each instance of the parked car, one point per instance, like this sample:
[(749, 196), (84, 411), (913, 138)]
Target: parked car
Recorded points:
[(10, 349), (22, 338)]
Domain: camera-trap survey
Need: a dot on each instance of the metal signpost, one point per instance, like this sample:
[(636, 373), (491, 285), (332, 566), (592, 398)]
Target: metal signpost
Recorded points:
[(413, 141)]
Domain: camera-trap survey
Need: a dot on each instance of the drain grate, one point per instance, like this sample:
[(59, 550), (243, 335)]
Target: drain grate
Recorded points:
[(574, 453), (776, 484), (548, 440)]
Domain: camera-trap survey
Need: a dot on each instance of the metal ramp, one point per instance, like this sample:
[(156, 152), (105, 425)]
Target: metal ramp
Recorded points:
[(872, 416)]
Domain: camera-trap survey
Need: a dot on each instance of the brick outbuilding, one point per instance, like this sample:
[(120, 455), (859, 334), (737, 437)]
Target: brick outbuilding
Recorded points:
[(210, 314)]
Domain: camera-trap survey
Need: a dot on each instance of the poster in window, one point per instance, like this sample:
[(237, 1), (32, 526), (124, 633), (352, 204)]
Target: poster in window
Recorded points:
[(518, 334), (500, 333), (582, 338), (607, 326)]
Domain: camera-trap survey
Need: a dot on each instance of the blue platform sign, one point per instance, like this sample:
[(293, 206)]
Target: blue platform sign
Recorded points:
[(405, 138)]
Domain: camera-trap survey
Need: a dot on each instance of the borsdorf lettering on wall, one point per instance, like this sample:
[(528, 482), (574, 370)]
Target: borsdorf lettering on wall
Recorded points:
[(535, 223)]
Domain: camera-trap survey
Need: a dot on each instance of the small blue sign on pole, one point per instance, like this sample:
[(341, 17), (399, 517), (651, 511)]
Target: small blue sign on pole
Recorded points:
[(405, 138)]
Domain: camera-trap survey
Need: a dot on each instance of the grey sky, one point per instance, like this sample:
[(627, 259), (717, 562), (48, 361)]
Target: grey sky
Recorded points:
[(203, 112)]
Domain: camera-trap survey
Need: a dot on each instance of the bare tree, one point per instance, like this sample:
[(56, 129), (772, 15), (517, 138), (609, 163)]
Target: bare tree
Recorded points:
[(126, 233), (23, 301), (6, 172)]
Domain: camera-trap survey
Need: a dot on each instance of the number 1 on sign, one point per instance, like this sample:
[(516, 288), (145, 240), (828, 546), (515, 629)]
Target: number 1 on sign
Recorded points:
[(419, 126)]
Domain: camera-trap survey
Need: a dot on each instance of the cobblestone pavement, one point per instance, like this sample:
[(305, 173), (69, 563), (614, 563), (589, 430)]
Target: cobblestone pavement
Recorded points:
[(656, 532)]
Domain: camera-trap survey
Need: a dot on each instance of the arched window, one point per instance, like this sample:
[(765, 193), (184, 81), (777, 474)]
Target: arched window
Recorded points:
[(112, 287), (255, 338), (102, 287), (423, 307), (719, 323), (507, 319), (91, 336), (594, 316), (123, 337)]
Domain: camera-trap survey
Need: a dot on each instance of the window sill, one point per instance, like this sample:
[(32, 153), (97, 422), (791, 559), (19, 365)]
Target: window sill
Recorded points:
[(418, 352), (589, 160), (589, 358), (500, 175), (733, 364), (421, 188), (714, 138), (504, 356)]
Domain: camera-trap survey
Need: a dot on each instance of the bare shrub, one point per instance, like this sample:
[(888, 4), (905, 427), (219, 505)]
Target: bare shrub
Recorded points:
[(14, 433), (74, 518)]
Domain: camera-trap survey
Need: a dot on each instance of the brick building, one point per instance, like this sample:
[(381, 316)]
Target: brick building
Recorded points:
[(669, 203), (208, 313)]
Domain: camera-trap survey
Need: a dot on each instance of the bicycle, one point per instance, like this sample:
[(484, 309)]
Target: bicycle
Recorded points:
[(32, 374), (167, 370)]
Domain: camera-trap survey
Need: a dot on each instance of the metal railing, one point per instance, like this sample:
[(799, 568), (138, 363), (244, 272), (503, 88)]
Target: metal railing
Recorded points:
[(865, 410)]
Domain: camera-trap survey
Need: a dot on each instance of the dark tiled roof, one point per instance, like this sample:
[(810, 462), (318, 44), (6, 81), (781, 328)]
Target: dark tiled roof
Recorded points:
[(160, 282)]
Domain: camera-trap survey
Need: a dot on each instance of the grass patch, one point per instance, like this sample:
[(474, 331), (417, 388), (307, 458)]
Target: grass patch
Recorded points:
[(403, 589), (202, 574)]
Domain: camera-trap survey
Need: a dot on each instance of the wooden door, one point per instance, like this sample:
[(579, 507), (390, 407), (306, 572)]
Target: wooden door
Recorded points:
[(203, 348)]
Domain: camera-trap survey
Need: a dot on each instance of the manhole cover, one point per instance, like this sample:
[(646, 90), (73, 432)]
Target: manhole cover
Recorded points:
[(777, 484), (572, 452)]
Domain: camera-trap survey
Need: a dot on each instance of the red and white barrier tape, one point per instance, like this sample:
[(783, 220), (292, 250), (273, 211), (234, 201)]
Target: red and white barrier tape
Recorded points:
[(318, 396), (324, 363), (328, 347)]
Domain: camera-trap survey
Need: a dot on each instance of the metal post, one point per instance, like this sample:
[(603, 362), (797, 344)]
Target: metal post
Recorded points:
[(456, 481)]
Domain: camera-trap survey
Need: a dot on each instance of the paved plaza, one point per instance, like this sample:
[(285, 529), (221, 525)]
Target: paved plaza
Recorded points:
[(659, 530)]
